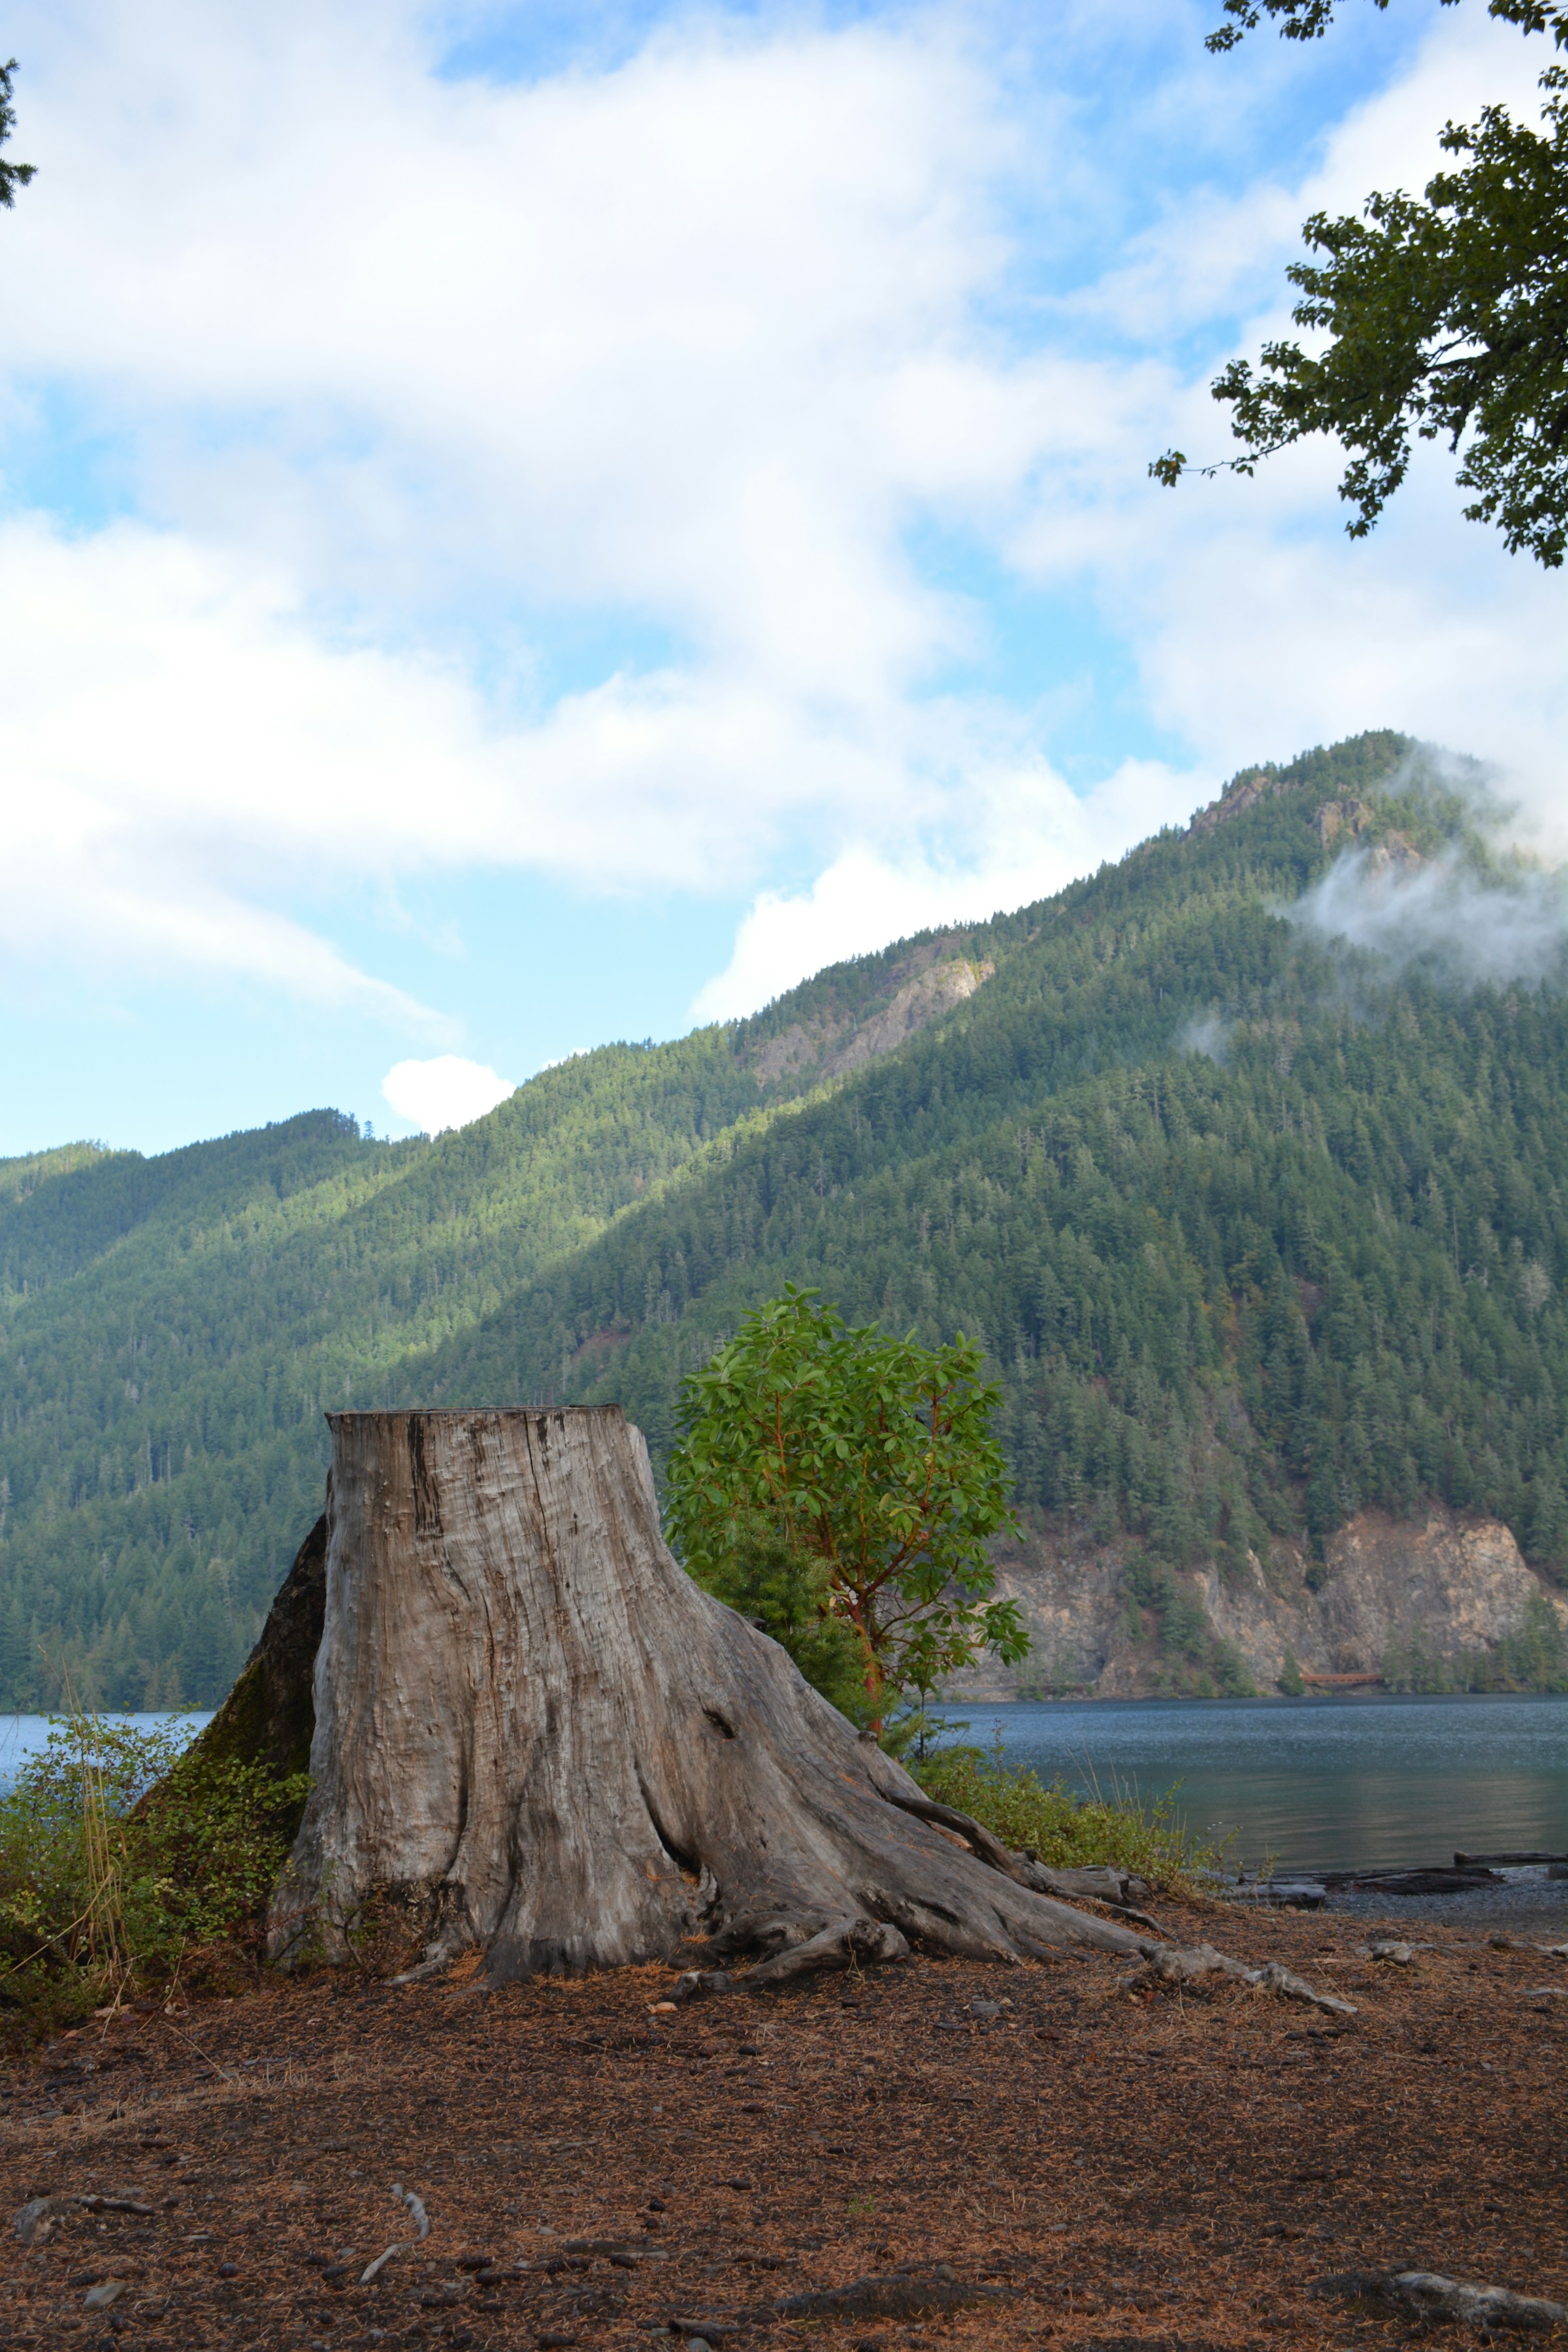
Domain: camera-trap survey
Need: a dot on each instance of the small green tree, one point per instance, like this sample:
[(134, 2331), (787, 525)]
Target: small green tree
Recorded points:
[(861, 1476)]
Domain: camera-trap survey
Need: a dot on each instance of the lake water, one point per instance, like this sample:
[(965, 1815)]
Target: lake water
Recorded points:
[(1352, 1780), (22, 1735), (1347, 1781)]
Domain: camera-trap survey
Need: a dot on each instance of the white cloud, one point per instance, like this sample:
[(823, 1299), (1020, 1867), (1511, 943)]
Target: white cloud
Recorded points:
[(178, 744), (626, 334), (678, 348), (684, 343), (1031, 836), (1444, 916), (446, 1091), (181, 751)]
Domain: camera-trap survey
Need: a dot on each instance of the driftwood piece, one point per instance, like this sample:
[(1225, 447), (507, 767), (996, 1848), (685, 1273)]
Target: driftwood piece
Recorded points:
[(1276, 1894), (416, 2204), (1427, 2294), (1410, 1882), (532, 1726), (1179, 1964), (1503, 1860), (35, 2221)]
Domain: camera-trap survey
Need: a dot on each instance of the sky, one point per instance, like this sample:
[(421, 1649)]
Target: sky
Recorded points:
[(526, 527)]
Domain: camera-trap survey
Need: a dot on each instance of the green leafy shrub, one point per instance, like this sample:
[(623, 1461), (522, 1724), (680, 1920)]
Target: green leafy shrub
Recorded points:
[(784, 1591), (119, 1857), (867, 1469), (1068, 1831)]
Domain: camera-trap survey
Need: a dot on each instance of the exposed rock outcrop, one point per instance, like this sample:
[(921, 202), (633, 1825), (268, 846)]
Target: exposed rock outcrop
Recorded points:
[(1338, 818), (1243, 792), (828, 1048), (1444, 1589), (1451, 1586)]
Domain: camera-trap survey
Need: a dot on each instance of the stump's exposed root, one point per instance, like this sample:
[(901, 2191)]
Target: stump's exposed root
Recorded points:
[(979, 1840), (842, 1944), (1187, 1963)]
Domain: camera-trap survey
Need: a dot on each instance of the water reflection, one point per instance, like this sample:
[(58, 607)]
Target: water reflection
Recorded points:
[(22, 1735), (1345, 1781), (1338, 1782)]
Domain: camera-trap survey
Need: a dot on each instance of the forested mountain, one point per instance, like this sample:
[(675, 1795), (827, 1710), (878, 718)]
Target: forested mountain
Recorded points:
[(1257, 1229)]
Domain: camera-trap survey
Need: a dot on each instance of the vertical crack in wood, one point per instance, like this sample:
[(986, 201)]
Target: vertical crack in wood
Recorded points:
[(426, 1495)]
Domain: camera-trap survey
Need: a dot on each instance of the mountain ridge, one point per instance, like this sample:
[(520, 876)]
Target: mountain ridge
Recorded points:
[(1168, 1154)]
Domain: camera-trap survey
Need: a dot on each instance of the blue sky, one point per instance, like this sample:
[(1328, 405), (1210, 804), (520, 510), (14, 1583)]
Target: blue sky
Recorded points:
[(525, 526)]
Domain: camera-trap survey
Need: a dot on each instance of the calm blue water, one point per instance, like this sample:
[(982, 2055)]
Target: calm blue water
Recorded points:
[(1338, 1782), (1345, 1781), (22, 1735)]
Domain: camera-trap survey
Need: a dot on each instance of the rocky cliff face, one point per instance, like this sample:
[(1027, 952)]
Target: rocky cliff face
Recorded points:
[(927, 983), (1429, 1600)]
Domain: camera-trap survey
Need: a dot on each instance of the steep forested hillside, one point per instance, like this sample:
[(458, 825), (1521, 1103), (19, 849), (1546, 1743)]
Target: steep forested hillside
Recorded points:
[(1257, 1232)]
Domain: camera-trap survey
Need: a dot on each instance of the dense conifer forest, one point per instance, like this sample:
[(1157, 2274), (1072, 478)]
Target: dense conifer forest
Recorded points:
[(1257, 1228)]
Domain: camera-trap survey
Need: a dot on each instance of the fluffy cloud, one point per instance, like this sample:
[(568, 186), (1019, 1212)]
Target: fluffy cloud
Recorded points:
[(178, 743), (1029, 834), (650, 336), (676, 347), (535, 474), (445, 1091)]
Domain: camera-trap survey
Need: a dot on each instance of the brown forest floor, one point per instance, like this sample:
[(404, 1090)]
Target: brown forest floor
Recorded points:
[(1181, 2172)]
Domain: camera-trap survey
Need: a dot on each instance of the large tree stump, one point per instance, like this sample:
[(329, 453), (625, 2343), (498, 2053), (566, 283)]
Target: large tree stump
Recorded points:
[(532, 1725)]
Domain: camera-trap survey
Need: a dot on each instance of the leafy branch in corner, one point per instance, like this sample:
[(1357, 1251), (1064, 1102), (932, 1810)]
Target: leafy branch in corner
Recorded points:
[(1447, 317), (1308, 20)]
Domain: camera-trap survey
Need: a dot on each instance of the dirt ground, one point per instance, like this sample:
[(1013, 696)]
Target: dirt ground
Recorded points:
[(1119, 2171)]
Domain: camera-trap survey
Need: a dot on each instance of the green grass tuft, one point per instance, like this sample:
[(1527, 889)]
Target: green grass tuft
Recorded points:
[(1128, 1830)]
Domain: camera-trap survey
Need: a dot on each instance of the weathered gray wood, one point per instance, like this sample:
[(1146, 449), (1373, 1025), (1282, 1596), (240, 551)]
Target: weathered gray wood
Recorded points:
[(1429, 2295), (533, 1727)]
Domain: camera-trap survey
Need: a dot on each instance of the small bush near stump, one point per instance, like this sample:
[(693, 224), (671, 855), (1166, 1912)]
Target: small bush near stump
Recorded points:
[(125, 1861), (1141, 1834)]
